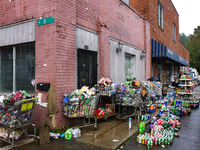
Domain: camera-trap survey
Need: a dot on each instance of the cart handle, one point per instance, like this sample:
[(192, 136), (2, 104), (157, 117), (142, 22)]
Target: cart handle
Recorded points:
[(28, 99)]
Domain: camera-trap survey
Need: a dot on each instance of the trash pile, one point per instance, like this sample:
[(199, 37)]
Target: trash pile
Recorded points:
[(4, 133), (79, 103), (105, 86), (14, 110), (83, 102), (153, 88), (127, 95), (163, 131)]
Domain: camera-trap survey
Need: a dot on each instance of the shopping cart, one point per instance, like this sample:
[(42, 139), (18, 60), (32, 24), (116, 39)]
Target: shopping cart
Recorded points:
[(15, 119)]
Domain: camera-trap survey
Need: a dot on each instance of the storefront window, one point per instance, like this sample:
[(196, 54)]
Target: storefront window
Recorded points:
[(6, 67), (18, 71), (129, 66)]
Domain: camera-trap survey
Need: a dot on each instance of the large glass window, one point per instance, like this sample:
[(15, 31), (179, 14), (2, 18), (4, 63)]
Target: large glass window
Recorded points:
[(6, 67), (17, 68), (129, 66), (160, 15)]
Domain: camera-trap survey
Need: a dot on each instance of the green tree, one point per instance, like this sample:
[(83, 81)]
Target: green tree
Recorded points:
[(193, 45), (183, 38)]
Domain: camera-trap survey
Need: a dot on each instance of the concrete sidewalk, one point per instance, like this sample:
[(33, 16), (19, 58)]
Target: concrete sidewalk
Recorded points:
[(111, 133)]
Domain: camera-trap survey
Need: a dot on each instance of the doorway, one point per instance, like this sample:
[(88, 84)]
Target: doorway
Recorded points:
[(87, 68)]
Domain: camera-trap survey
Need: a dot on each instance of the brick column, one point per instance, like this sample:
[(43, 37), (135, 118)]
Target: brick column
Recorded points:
[(104, 49)]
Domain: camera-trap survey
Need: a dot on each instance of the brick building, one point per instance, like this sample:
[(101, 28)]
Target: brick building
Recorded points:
[(70, 44), (168, 53)]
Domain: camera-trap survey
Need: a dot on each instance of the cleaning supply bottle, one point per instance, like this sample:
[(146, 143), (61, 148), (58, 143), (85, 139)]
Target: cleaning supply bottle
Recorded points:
[(130, 123)]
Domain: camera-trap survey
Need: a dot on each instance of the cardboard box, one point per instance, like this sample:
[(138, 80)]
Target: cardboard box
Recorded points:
[(44, 135), (143, 91), (136, 83)]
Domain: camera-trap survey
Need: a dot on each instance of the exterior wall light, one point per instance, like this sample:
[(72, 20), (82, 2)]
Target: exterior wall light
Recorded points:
[(142, 54), (120, 46)]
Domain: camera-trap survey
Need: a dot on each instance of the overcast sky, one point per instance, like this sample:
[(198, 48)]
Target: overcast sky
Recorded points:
[(189, 11)]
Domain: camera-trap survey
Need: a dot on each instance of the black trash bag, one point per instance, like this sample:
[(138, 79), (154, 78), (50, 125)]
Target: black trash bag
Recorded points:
[(155, 78)]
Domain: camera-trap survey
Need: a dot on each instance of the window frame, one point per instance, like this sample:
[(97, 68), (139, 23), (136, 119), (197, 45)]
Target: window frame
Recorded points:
[(133, 65), (160, 14), (174, 31), (14, 63)]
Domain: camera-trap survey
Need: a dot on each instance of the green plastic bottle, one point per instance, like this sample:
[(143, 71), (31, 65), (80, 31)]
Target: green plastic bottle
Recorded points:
[(141, 127), (68, 134)]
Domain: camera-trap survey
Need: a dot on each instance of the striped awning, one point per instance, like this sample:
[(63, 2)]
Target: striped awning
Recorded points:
[(160, 50)]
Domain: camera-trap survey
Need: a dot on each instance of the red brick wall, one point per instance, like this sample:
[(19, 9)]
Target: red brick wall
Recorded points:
[(45, 43), (141, 6), (66, 53), (115, 20), (170, 15), (55, 44)]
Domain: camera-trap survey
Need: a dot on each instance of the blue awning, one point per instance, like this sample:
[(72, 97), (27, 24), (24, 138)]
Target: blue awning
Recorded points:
[(160, 50)]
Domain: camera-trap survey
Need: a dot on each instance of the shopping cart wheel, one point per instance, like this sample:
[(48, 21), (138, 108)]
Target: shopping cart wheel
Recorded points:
[(97, 127), (1, 143), (36, 140)]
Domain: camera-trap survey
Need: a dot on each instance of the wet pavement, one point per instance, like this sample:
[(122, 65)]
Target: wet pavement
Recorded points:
[(113, 132)]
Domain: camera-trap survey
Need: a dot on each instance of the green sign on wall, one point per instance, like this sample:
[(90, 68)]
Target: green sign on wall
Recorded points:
[(45, 21)]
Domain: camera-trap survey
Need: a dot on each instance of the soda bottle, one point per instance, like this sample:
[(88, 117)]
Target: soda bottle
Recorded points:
[(141, 127), (138, 137), (151, 144), (148, 144), (168, 140), (162, 141), (176, 134), (159, 141), (142, 139), (145, 140), (156, 142)]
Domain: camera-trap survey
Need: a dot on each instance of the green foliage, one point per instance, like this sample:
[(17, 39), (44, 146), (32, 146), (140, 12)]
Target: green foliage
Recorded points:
[(183, 38), (193, 45), (59, 130), (45, 123)]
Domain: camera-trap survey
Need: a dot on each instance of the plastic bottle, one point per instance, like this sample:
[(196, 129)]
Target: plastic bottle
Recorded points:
[(151, 143), (148, 144), (138, 137), (156, 142), (66, 98), (159, 141), (142, 141), (141, 127), (130, 123)]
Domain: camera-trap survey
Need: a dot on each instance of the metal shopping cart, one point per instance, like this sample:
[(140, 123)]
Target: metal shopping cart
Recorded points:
[(15, 119)]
